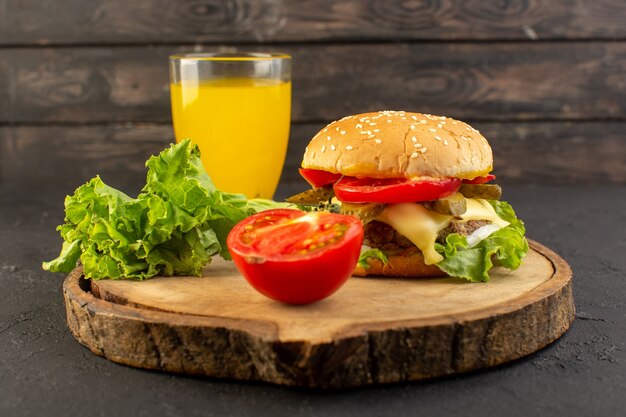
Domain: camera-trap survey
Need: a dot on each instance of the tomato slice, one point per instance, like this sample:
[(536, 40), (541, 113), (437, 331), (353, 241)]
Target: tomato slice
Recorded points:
[(394, 190), (480, 180), (294, 256), (317, 177)]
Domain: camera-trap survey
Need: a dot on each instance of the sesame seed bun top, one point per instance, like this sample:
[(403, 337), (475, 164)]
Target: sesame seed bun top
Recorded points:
[(395, 144)]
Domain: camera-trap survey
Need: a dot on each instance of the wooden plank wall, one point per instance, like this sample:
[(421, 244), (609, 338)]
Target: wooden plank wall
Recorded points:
[(84, 88)]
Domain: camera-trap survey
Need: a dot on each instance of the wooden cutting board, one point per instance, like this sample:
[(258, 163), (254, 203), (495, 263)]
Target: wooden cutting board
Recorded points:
[(371, 331)]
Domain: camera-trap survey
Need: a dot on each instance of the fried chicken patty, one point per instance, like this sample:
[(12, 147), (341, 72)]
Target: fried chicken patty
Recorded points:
[(382, 236)]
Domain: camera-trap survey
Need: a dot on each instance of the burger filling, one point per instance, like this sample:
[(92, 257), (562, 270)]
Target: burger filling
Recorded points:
[(382, 236), (414, 223), (407, 228)]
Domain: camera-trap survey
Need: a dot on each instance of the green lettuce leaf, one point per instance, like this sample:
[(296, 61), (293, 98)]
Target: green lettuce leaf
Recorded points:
[(505, 247), (371, 253), (70, 252), (174, 227)]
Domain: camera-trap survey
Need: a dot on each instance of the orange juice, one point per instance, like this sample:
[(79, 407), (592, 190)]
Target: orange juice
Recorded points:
[(241, 126)]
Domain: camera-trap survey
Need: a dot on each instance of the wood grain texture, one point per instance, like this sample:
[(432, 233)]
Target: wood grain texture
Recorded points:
[(499, 81), (535, 152), (223, 293), (364, 349), (27, 22), (67, 156)]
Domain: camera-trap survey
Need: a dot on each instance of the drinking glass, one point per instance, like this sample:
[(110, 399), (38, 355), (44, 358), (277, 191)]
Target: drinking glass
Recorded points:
[(236, 107)]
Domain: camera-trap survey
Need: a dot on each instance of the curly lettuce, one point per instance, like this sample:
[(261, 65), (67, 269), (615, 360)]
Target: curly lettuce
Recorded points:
[(371, 253), (505, 247), (179, 221)]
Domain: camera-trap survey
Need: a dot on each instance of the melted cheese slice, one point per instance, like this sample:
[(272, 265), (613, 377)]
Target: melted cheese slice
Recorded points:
[(421, 226)]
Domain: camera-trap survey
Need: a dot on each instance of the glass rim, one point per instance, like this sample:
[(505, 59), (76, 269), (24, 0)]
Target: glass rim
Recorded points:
[(230, 56)]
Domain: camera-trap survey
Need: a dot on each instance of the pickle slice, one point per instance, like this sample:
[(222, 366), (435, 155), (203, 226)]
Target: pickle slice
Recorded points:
[(313, 196), (453, 205), (366, 212), (484, 191)]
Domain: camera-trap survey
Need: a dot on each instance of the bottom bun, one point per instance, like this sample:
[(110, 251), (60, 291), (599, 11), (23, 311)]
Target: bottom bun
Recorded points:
[(404, 266)]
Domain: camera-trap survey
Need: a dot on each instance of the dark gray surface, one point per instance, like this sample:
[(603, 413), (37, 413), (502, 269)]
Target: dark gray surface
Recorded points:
[(44, 371)]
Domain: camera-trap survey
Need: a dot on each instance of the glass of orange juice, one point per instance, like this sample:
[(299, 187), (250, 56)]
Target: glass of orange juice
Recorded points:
[(236, 107)]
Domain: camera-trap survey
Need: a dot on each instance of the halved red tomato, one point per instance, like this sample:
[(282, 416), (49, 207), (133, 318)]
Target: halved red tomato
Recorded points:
[(480, 180), (294, 256), (317, 177), (394, 190)]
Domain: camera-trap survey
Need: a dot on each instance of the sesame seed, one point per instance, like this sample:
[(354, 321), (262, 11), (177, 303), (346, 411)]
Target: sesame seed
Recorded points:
[(328, 137), (343, 132), (373, 124), (438, 138), (378, 141), (432, 130), (442, 117), (414, 155), (417, 145), (337, 128), (325, 130), (439, 125), (414, 117), (359, 126), (412, 127), (414, 139), (454, 122), (333, 147), (423, 121), (445, 142), (388, 120), (349, 148), (371, 136), (376, 130), (369, 132), (403, 118), (362, 132), (323, 148), (423, 150)]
